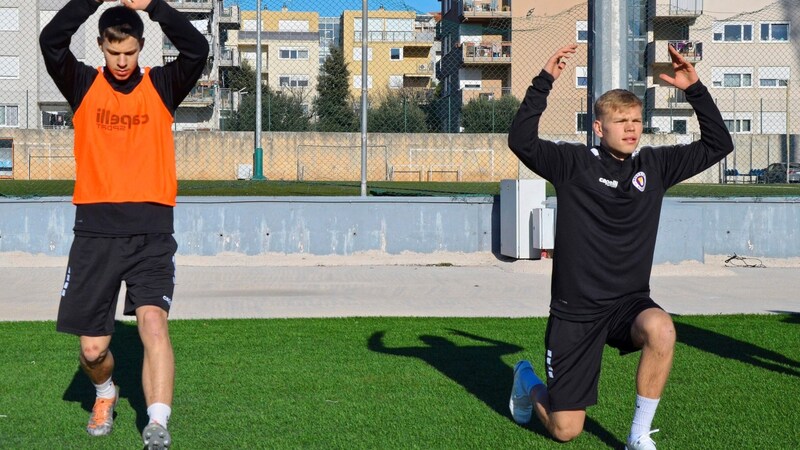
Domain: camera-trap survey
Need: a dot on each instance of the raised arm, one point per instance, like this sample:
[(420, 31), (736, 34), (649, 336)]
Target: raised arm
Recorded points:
[(545, 158), (72, 77), (175, 80), (684, 161)]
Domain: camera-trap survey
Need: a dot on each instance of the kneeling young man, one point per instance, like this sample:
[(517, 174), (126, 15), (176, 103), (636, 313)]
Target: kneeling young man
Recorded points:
[(609, 202)]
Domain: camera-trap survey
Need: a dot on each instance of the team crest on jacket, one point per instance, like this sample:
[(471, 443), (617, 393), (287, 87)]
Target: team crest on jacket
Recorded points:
[(640, 181)]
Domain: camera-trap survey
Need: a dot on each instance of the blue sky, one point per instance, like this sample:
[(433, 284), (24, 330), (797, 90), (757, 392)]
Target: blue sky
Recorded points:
[(335, 7)]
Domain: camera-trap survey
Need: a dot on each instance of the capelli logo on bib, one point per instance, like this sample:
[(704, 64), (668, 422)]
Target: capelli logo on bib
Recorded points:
[(640, 181)]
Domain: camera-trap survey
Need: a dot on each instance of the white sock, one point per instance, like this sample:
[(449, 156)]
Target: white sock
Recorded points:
[(159, 412), (106, 389), (643, 416), (529, 380)]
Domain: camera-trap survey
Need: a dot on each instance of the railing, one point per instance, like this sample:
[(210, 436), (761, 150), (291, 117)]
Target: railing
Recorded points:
[(692, 51), (229, 14), (678, 8), (201, 94), (426, 36), (478, 9), (229, 56), (495, 52)]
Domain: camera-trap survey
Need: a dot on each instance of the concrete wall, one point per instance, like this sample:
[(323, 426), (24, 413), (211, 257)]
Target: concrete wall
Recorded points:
[(310, 156), (689, 229)]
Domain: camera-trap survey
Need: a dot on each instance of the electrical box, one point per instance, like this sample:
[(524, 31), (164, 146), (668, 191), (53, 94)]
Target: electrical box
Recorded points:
[(526, 226), (244, 171), (543, 233)]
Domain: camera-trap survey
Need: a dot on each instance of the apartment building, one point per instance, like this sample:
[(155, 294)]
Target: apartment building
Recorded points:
[(290, 48), (476, 56), (399, 53), (745, 52)]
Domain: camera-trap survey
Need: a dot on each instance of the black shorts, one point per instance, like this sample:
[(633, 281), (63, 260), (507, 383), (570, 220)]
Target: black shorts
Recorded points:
[(574, 351), (95, 271)]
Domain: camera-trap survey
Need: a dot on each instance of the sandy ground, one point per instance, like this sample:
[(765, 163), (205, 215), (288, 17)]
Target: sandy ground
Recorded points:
[(409, 284)]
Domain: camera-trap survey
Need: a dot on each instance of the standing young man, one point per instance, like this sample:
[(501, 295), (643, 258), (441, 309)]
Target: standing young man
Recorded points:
[(609, 202), (125, 190)]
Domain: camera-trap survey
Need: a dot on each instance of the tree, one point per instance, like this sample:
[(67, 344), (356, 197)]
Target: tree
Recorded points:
[(280, 111), (397, 113), (333, 105), (489, 116)]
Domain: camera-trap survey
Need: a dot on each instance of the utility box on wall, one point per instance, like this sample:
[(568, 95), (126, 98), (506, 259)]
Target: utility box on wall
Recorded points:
[(526, 226)]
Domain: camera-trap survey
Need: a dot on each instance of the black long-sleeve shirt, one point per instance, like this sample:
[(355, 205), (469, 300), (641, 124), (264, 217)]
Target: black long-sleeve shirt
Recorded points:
[(608, 210), (173, 82)]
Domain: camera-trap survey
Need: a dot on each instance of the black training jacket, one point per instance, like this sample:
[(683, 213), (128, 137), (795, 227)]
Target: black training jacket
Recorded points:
[(608, 210), (173, 81)]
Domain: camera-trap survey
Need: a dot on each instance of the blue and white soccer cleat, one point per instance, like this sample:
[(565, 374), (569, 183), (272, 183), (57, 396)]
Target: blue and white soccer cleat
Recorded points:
[(520, 403)]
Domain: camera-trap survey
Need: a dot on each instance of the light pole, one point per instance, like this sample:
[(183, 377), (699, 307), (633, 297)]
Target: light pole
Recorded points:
[(258, 153)]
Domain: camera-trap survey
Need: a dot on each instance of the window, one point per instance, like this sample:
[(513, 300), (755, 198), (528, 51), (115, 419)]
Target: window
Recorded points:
[(396, 54), (580, 122), (774, 32), (293, 81), (9, 67), (395, 81), (6, 158), (777, 77), (357, 54), (9, 19), (737, 125), (679, 126), (294, 53), (732, 77), (357, 81), (733, 32), (249, 25), (581, 77), (738, 122), (582, 31), (9, 115), (293, 25)]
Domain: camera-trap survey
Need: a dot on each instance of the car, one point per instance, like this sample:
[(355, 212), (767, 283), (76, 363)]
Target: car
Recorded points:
[(776, 173)]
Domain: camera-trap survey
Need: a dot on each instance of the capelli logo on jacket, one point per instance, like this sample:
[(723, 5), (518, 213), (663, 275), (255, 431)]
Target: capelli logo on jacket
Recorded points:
[(106, 120)]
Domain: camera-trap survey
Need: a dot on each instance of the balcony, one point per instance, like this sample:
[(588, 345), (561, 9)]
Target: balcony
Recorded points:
[(676, 8), (482, 10), (230, 15), (424, 70), (487, 53), (692, 51), (229, 57), (408, 38), (192, 5), (201, 96), (667, 97), (249, 37)]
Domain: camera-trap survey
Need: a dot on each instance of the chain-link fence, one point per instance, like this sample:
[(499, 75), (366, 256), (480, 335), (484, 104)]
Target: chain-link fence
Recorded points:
[(442, 85)]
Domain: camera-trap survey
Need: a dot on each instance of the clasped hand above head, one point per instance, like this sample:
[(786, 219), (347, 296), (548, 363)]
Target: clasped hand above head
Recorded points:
[(132, 4)]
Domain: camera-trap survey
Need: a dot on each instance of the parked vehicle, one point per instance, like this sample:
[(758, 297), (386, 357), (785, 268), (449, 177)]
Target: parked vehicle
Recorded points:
[(776, 173)]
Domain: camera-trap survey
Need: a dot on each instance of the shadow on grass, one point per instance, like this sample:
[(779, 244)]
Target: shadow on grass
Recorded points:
[(728, 347), (128, 354), (480, 370)]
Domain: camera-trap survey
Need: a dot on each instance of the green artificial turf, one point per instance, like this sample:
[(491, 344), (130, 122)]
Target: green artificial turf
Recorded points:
[(278, 188), (374, 383)]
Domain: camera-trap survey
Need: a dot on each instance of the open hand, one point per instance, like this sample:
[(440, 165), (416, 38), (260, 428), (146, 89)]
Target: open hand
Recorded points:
[(685, 75), (556, 64)]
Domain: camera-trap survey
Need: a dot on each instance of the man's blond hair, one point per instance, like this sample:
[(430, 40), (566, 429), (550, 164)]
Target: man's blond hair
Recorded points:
[(615, 100)]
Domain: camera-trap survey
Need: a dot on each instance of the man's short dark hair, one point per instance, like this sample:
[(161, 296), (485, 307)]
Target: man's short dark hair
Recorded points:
[(118, 22)]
